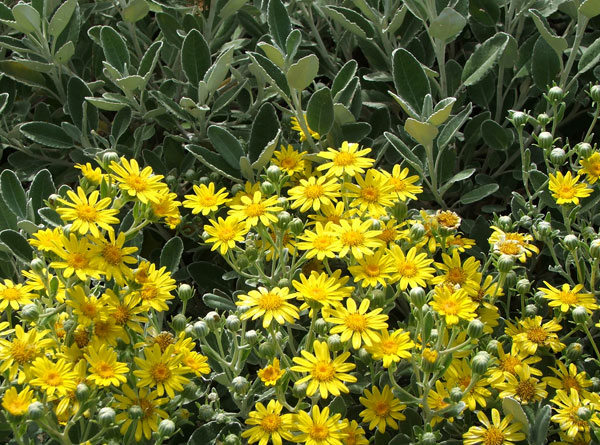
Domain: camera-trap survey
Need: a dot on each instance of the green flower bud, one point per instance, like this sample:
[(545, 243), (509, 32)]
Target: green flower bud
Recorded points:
[(428, 439), (584, 150), (429, 359), (166, 427), (189, 390), (205, 413), (284, 282), (236, 188), (523, 286), (171, 180), (417, 232), (363, 355), (200, 329), (558, 156), (296, 226), (492, 347), (240, 384), (595, 384), (179, 322), (273, 173), (233, 323), (595, 248), (525, 222), (266, 349), (377, 298), (418, 297), (505, 263), (584, 413), (135, 412), (267, 188), (106, 416), (35, 410), (511, 279), (531, 310), (543, 229), (574, 351), (456, 394), (53, 201), (185, 292), (232, 439), (299, 390), (204, 180), (251, 337), (190, 175), (595, 93), (571, 242), (475, 328), (588, 233), (518, 118), (222, 418), (505, 223), (334, 342), (108, 158), (82, 392), (555, 95), (321, 327), (543, 119), (214, 176), (283, 219), (213, 320), (480, 363), (242, 262), (545, 140), (580, 315), (205, 235), (38, 266), (30, 312)]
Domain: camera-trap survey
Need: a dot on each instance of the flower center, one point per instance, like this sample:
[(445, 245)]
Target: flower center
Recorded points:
[(509, 363), (448, 219), (571, 382), (149, 292), (407, 269), (88, 309), (356, 322), (22, 352), (160, 372), (456, 275), (77, 261), (389, 346), (568, 297), (104, 370), (493, 436), (146, 406), (289, 163), (510, 248), (164, 339), (121, 315), (137, 183), (525, 390), (112, 254), (270, 423), (270, 301), (464, 382), (372, 270), (566, 191), (382, 408), (323, 371), (270, 373), (388, 235), (86, 213), (319, 432), (537, 335), (255, 210), (208, 200), (322, 242), (398, 184), (370, 194), (317, 293), (313, 191), (81, 338), (352, 238), (226, 234), (101, 328), (53, 378), (10, 293), (450, 307), (344, 159)]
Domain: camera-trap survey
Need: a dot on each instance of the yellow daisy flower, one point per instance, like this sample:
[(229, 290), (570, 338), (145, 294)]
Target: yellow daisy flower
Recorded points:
[(321, 288), (500, 237), (568, 378), (296, 126), (453, 305), (205, 200), (324, 374), (533, 334), (566, 406), (289, 160), (53, 377), (105, 370), (437, 400), (196, 362), (457, 273), (459, 374), (355, 434), (391, 348), (355, 323), (167, 207), (371, 194), (270, 374), (17, 403), (496, 432), (410, 269), (357, 238), (126, 310), (270, 304), (46, 239), (112, 258), (390, 231), (591, 167), (522, 386), (319, 428), (224, 233), (93, 175), (150, 407), (321, 243), (373, 269), (458, 243), (87, 213), (314, 193), (156, 289), (254, 209), (87, 307), (141, 184), (14, 295), (567, 298), (21, 350), (404, 187), (162, 370), (382, 409), (347, 160), (566, 190), (332, 213), (76, 256), (507, 363), (268, 424)]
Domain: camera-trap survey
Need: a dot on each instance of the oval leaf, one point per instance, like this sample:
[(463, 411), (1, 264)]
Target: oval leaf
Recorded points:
[(195, 57), (12, 193), (170, 256), (302, 73), (45, 133), (319, 112), (410, 81), (479, 193), (226, 145), (18, 244), (484, 59)]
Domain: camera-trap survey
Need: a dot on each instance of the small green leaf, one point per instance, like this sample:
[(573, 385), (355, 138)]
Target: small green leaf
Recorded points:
[(366, 10), (264, 129), (343, 77), (246, 169), (396, 21), (589, 8), (231, 7), (447, 25), (50, 217), (18, 244), (545, 65), (48, 134), (484, 59), (21, 73), (539, 430), (135, 11), (590, 57), (272, 73), (460, 176), (292, 43), (115, 48), (486, 12), (27, 17), (319, 111), (410, 81), (77, 91), (558, 44), (494, 135), (106, 103), (267, 154), (442, 111), (214, 162), (13, 194), (169, 26), (350, 20), (279, 22), (3, 101), (216, 73), (226, 144), (120, 123), (514, 408), (195, 57), (479, 193), (64, 54), (170, 256), (41, 188), (61, 18), (302, 73), (417, 8), (422, 132), (218, 302), (150, 58), (273, 53), (406, 152)]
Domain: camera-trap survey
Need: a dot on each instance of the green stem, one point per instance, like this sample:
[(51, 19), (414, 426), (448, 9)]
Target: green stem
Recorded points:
[(582, 22), (591, 339)]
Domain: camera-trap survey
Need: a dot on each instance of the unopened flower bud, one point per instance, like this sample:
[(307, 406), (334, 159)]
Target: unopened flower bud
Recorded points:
[(38, 266), (595, 248), (531, 310), (544, 229), (475, 328), (428, 439), (222, 418), (35, 410), (555, 95), (212, 320), (492, 347), (296, 226), (299, 390), (511, 279), (266, 349), (543, 119), (205, 235), (364, 355), (505, 223), (523, 286), (545, 140), (185, 292), (106, 416), (571, 242), (584, 150), (179, 322), (53, 201), (189, 390), (525, 222), (595, 93), (283, 219), (267, 188), (334, 342), (240, 384), (274, 173), (284, 282), (166, 427), (108, 158), (321, 326), (595, 384), (456, 394), (190, 175), (377, 298), (205, 413), (584, 413), (580, 315), (518, 118), (430, 358), (200, 329), (135, 412), (574, 351), (558, 156), (417, 232), (418, 297), (505, 263), (232, 439), (30, 312), (480, 363), (233, 323)]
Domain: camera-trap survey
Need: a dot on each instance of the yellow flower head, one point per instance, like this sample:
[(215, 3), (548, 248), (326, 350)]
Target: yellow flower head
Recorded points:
[(14, 295), (268, 424), (289, 160), (93, 175), (321, 243), (566, 190), (347, 160), (410, 269), (314, 193), (141, 184), (87, 213), (271, 374), (372, 194), (112, 258), (150, 405), (568, 378), (224, 233), (161, 370), (205, 200), (270, 304), (453, 305), (255, 209), (496, 432), (567, 298), (17, 403), (403, 186), (105, 370), (321, 288), (373, 269), (53, 377), (296, 126), (391, 348), (357, 237), (319, 428), (522, 386), (591, 167), (382, 409)]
